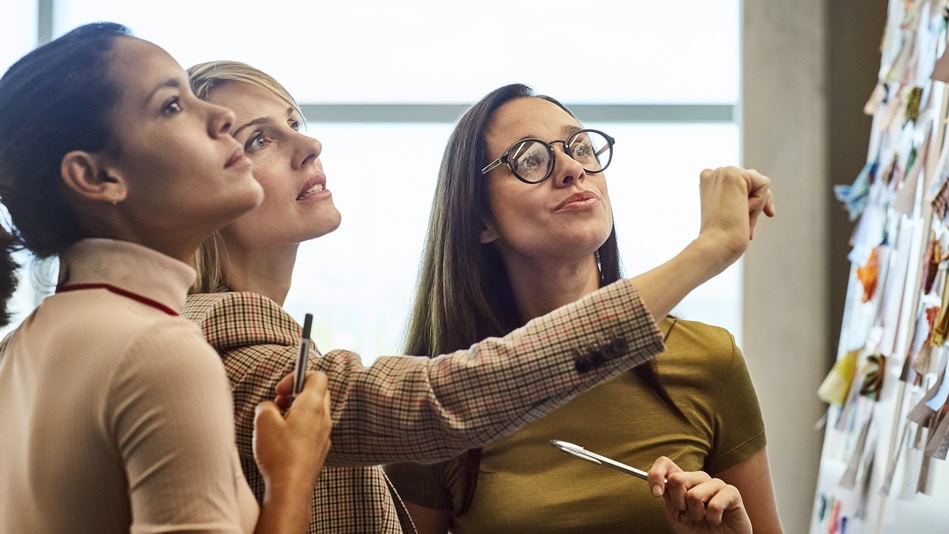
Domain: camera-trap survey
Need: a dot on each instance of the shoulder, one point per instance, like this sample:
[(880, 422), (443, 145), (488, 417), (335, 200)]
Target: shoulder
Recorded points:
[(694, 338), (699, 354), (104, 323), (234, 319), (173, 342), (169, 357)]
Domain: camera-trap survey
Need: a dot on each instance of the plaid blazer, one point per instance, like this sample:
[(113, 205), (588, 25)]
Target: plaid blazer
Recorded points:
[(417, 409)]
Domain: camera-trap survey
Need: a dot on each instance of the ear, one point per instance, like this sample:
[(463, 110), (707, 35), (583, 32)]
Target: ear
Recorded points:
[(489, 233), (85, 174)]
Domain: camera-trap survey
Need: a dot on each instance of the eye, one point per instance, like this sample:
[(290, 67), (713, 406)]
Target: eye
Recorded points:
[(530, 162), (171, 106), (295, 124), (257, 141), (582, 150), (530, 156)]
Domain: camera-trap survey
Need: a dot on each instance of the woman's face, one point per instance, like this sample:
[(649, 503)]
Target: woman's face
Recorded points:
[(565, 217), (297, 205), (186, 176)]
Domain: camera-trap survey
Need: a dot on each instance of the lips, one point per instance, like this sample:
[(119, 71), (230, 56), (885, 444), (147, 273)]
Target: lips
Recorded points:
[(312, 186), (236, 157), (577, 197)]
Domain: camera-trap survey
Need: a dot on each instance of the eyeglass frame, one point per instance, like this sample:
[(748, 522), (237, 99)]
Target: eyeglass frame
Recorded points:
[(505, 157)]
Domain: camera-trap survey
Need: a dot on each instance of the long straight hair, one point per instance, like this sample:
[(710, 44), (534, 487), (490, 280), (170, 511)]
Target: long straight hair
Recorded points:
[(464, 293)]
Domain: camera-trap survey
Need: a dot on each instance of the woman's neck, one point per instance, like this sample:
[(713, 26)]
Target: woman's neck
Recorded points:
[(266, 271), (541, 288)]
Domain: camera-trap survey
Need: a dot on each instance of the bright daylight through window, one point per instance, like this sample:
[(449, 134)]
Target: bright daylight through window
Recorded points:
[(383, 82)]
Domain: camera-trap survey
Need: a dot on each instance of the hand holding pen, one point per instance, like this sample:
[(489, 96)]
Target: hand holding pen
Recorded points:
[(695, 502), (290, 448)]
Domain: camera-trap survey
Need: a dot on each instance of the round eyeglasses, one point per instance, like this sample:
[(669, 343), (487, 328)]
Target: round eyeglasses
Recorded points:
[(532, 160)]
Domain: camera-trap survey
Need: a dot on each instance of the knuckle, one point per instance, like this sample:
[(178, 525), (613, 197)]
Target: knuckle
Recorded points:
[(693, 498)]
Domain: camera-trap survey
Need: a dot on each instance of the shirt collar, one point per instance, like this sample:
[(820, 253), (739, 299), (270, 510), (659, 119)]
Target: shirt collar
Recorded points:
[(130, 266)]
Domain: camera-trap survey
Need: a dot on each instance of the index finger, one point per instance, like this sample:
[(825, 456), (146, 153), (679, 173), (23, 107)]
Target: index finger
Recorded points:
[(659, 473), (315, 385), (759, 187)]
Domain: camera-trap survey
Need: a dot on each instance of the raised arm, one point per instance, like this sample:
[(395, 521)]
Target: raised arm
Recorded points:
[(421, 409), (732, 200)]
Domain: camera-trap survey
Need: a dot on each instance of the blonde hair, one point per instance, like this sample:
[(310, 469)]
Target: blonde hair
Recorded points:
[(211, 259), (206, 77)]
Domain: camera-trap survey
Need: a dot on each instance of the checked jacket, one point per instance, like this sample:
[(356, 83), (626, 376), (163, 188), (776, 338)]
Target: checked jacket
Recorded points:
[(419, 409)]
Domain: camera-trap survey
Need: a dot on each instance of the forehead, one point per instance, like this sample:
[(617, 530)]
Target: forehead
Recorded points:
[(138, 67), (248, 101), (529, 117)]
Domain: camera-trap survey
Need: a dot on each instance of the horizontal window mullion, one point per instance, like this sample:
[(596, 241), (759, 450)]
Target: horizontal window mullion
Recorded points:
[(449, 113)]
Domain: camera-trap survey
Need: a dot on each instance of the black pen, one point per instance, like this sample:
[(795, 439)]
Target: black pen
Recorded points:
[(299, 370)]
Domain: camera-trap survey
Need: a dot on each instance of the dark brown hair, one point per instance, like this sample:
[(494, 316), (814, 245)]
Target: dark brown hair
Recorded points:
[(54, 100), (464, 294)]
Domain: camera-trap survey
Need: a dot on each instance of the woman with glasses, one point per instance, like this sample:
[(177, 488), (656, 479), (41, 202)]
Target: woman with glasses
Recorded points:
[(116, 413), (410, 409), (521, 224)]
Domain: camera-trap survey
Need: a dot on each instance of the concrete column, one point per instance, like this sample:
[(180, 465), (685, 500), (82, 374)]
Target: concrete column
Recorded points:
[(786, 321)]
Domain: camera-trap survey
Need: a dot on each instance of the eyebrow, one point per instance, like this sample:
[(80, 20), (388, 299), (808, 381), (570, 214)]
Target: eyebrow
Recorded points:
[(171, 82), (569, 130), (566, 130), (258, 120)]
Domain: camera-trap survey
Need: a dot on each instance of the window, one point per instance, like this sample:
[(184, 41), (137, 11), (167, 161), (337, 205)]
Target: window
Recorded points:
[(359, 280), (17, 31), (663, 81)]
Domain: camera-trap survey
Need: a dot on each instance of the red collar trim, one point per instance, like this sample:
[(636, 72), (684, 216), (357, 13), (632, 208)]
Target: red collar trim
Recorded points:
[(119, 291)]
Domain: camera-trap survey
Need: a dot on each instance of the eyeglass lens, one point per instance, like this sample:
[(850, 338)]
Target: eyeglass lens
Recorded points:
[(533, 161)]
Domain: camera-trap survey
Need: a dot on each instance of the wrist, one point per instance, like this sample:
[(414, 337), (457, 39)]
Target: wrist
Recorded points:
[(712, 254), (287, 487)]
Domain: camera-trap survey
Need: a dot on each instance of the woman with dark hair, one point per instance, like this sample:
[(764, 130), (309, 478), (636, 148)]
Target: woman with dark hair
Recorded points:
[(521, 224), (411, 409), (116, 412)]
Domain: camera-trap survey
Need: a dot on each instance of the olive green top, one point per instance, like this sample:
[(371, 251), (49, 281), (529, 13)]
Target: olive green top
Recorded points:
[(526, 485)]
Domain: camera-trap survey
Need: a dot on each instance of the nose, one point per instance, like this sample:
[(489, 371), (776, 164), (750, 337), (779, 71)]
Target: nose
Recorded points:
[(566, 169), (308, 149), (220, 120)]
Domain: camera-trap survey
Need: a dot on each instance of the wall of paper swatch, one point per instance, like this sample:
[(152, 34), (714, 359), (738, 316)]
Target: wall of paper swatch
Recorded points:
[(886, 431)]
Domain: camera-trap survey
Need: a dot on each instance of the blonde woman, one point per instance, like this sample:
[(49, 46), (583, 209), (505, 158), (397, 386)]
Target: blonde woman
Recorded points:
[(401, 408)]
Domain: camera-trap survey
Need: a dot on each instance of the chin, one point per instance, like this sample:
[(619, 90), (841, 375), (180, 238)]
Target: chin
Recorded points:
[(325, 226)]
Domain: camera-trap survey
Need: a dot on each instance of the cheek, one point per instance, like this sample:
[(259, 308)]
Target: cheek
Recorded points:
[(276, 187), (605, 195), (270, 186), (515, 212)]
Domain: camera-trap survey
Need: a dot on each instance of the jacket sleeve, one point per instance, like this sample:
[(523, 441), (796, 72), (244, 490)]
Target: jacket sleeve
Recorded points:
[(417, 409)]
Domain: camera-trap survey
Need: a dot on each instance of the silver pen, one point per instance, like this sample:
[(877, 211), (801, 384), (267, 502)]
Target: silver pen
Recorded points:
[(593, 457)]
